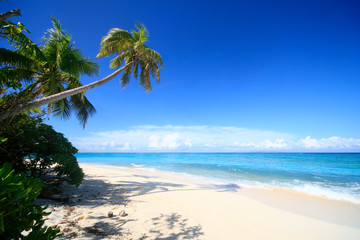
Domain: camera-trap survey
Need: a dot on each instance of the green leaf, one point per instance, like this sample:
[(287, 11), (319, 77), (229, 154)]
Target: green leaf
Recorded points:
[(2, 228)]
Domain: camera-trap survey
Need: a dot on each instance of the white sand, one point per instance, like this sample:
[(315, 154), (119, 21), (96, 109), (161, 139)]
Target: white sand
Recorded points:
[(161, 205)]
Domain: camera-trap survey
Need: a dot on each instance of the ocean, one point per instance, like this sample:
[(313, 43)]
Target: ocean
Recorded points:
[(333, 175)]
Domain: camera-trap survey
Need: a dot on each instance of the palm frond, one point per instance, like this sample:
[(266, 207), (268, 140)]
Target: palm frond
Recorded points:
[(56, 23), (125, 78), (62, 55), (151, 54), (119, 60), (14, 33), (68, 80), (55, 35), (136, 69), (88, 67), (142, 35), (61, 109), (53, 82), (144, 79), (82, 107), (10, 58), (154, 71), (76, 64), (12, 77), (116, 34), (116, 41)]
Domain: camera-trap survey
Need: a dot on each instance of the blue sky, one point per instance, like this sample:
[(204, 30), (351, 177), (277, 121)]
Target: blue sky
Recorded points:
[(274, 75)]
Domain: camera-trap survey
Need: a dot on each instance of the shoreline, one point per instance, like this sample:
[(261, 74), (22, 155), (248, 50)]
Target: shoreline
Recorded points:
[(164, 205), (271, 196), (325, 193)]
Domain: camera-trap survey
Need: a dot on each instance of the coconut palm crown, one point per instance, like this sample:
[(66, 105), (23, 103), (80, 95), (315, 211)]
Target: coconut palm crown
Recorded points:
[(62, 70), (54, 67), (131, 50)]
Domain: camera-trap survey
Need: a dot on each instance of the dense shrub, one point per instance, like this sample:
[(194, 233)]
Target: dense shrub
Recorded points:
[(17, 210), (36, 148)]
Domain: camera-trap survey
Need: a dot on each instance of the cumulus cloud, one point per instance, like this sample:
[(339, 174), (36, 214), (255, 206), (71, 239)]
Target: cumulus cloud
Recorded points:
[(267, 144), (309, 142), (171, 138), (338, 143), (154, 141), (169, 141), (188, 142)]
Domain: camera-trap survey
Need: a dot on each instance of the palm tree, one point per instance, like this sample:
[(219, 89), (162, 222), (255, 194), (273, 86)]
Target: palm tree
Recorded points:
[(54, 67), (62, 70), (137, 58), (132, 51)]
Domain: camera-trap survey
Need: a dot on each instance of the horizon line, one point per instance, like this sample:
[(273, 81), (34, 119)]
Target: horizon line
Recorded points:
[(233, 152)]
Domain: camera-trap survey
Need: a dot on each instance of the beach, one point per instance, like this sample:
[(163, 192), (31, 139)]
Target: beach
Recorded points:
[(149, 123), (134, 203)]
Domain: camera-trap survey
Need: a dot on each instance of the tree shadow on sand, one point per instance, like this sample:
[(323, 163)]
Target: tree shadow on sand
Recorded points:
[(176, 224), (151, 187), (96, 192)]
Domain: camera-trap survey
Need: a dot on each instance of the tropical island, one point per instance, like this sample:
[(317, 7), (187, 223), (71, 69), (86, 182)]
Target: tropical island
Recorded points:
[(174, 180)]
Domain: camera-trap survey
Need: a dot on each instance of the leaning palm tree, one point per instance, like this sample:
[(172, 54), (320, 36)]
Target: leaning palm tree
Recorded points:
[(132, 53), (54, 67)]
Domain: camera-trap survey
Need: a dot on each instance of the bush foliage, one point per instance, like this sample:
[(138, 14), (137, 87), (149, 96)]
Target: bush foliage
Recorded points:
[(17, 210), (36, 148)]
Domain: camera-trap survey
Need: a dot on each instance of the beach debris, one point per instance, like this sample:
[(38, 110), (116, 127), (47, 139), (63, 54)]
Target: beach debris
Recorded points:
[(97, 229), (69, 210), (72, 223), (59, 198), (122, 213), (67, 229), (80, 218), (73, 234), (110, 214)]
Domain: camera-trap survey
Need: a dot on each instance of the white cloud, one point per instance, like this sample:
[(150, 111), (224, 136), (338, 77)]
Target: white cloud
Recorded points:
[(154, 141), (125, 147), (309, 142), (267, 144), (206, 139), (188, 142), (169, 141), (336, 143)]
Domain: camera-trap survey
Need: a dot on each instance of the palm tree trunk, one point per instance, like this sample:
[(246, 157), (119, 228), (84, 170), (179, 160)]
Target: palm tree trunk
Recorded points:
[(12, 13), (58, 96)]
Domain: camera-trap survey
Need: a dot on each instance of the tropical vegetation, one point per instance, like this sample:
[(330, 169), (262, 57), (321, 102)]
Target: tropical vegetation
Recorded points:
[(38, 150), (58, 81), (32, 76), (34, 71), (20, 218)]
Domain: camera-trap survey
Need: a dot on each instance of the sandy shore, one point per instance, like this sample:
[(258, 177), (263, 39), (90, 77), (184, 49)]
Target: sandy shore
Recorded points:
[(161, 205)]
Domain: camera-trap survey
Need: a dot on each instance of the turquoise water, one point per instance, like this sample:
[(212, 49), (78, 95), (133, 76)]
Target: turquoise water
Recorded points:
[(332, 175)]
